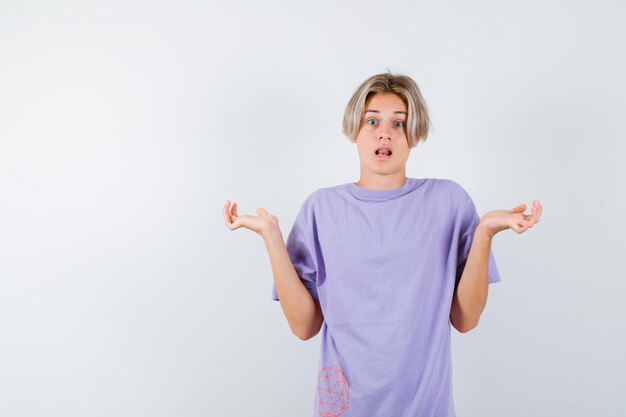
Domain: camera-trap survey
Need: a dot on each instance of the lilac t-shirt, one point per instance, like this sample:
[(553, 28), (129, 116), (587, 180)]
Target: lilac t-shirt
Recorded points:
[(384, 265)]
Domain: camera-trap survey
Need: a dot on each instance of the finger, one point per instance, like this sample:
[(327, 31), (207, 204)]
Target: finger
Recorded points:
[(531, 218), (519, 228), (535, 215), (539, 210), (518, 209), (261, 211), (524, 220), (234, 225), (230, 223), (225, 212), (235, 210)]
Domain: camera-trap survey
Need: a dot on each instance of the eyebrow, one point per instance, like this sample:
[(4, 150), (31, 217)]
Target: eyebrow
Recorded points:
[(378, 111)]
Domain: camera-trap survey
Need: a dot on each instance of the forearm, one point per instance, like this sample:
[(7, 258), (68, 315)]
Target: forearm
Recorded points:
[(470, 296), (296, 301)]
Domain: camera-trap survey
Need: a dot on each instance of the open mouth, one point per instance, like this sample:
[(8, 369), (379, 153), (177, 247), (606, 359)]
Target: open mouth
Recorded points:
[(383, 154)]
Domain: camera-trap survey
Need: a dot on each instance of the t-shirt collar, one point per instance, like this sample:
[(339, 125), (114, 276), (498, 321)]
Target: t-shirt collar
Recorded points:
[(367, 194)]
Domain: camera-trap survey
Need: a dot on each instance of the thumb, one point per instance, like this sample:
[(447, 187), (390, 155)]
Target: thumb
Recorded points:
[(261, 211), (518, 209)]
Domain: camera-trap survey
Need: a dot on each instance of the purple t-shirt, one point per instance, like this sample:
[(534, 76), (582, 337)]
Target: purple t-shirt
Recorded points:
[(384, 265)]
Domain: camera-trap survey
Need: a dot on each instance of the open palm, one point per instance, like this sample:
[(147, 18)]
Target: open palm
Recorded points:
[(259, 224), (497, 220)]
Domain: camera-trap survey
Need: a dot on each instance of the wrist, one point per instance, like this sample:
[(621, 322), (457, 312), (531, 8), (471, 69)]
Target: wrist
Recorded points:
[(483, 232), (272, 234)]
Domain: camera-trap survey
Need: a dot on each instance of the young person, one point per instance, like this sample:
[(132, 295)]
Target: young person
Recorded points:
[(383, 266)]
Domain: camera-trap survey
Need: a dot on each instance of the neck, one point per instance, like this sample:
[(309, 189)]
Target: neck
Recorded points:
[(375, 181)]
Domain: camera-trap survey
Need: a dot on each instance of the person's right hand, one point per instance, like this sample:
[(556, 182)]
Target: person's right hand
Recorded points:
[(262, 224)]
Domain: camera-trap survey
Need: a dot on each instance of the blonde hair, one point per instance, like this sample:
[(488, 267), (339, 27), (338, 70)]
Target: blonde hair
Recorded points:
[(418, 123)]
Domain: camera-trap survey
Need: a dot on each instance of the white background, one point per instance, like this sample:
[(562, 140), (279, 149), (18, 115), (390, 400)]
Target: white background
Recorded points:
[(125, 126)]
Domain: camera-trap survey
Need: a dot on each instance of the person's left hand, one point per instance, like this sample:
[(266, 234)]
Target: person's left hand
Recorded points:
[(499, 220)]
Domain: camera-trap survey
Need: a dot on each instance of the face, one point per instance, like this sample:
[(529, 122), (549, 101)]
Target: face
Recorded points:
[(383, 125)]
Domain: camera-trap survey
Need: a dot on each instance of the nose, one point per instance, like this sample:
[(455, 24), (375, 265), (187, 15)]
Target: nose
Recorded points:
[(384, 132)]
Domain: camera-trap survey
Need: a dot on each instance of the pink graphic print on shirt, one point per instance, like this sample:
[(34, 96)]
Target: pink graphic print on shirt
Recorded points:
[(334, 392)]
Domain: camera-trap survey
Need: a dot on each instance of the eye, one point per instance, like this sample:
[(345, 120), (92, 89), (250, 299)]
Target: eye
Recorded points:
[(400, 123), (372, 120)]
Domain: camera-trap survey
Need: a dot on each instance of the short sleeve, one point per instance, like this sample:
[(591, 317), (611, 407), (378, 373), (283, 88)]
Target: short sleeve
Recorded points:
[(469, 222), (299, 248)]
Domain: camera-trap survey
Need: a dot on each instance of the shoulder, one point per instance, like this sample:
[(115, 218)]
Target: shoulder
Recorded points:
[(315, 200), (451, 190), (323, 194)]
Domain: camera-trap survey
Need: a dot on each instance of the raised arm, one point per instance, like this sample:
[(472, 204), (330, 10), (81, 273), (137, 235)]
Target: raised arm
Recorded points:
[(470, 297), (302, 311)]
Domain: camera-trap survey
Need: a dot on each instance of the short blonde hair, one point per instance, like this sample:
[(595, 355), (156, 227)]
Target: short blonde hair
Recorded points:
[(418, 123)]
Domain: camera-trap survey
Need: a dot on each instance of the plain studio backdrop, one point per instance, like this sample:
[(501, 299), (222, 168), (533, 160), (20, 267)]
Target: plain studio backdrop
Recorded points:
[(126, 125)]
